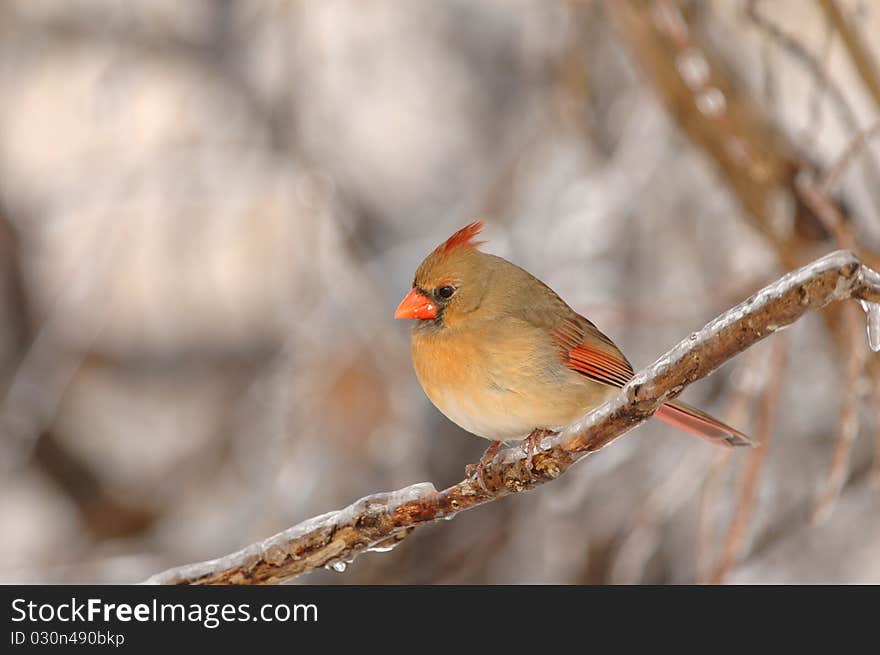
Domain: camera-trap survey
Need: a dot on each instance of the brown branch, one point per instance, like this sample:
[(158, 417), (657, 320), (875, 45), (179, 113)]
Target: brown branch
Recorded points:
[(875, 381), (707, 517), (820, 200), (858, 51), (23, 429), (810, 133), (380, 521), (754, 370), (848, 421), (853, 150), (754, 157), (701, 93), (738, 531), (644, 536), (818, 70)]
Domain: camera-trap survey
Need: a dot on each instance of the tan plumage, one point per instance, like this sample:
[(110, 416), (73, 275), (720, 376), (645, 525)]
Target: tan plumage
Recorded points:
[(503, 355)]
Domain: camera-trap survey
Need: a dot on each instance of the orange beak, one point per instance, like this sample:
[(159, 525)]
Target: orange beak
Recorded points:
[(416, 305)]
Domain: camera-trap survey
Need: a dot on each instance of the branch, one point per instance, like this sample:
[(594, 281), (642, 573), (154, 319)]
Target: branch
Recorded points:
[(738, 532), (380, 521), (754, 157), (848, 421), (875, 380), (856, 48), (754, 370), (703, 97)]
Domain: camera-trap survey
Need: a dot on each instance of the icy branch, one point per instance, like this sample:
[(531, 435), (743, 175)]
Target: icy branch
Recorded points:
[(380, 521)]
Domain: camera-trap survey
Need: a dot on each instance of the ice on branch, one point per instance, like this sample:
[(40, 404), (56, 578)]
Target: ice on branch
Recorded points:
[(380, 521)]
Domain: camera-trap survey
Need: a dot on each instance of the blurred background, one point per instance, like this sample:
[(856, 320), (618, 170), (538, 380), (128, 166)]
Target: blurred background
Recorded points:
[(210, 209)]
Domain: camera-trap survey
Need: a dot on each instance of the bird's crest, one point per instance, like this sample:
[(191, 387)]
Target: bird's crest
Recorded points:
[(464, 238)]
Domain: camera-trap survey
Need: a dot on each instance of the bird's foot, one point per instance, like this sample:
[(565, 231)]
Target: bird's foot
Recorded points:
[(477, 472), (532, 444)]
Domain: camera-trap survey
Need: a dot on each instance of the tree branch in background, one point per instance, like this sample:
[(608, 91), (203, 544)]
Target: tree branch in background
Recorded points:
[(22, 428), (380, 521), (876, 406), (819, 198), (701, 94), (770, 177), (754, 157), (848, 421), (858, 52), (749, 378), (738, 531)]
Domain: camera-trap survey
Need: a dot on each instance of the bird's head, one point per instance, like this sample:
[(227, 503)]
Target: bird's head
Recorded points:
[(451, 281)]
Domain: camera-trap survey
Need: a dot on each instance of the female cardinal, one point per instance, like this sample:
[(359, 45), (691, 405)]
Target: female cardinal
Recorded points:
[(504, 357)]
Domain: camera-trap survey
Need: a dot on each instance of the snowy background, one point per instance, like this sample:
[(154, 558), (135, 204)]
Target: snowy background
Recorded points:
[(210, 209)]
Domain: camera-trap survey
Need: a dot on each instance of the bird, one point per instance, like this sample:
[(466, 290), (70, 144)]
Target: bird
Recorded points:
[(501, 355)]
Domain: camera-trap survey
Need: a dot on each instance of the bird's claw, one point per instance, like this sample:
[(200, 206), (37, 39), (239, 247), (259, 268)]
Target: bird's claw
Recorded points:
[(477, 471), (532, 444)]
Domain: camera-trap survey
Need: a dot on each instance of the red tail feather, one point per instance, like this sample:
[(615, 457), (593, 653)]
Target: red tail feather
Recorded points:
[(692, 420), (589, 352)]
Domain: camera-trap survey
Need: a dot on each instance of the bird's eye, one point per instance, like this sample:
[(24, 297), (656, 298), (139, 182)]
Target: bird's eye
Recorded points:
[(445, 292)]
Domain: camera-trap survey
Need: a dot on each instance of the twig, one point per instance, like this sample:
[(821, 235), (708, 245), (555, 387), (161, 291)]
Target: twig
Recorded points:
[(707, 518), (819, 199), (698, 91), (856, 146), (380, 521), (644, 537), (813, 128), (753, 155), (45, 365), (754, 374), (846, 114), (848, 422), (875, 379), (856, 48), (827, 211), (26, 425), (738, 531)]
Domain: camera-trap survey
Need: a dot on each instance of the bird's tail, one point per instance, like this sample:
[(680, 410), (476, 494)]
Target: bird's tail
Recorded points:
[(692, 420)]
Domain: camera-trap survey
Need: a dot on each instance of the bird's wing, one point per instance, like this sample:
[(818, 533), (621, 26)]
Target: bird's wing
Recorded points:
[(582, 347), (587, 351)]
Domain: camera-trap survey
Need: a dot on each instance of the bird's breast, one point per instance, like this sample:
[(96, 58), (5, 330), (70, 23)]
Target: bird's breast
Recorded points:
[(500, 386)]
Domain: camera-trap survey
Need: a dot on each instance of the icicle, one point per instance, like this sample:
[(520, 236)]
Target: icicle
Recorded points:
[(872, 309)]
